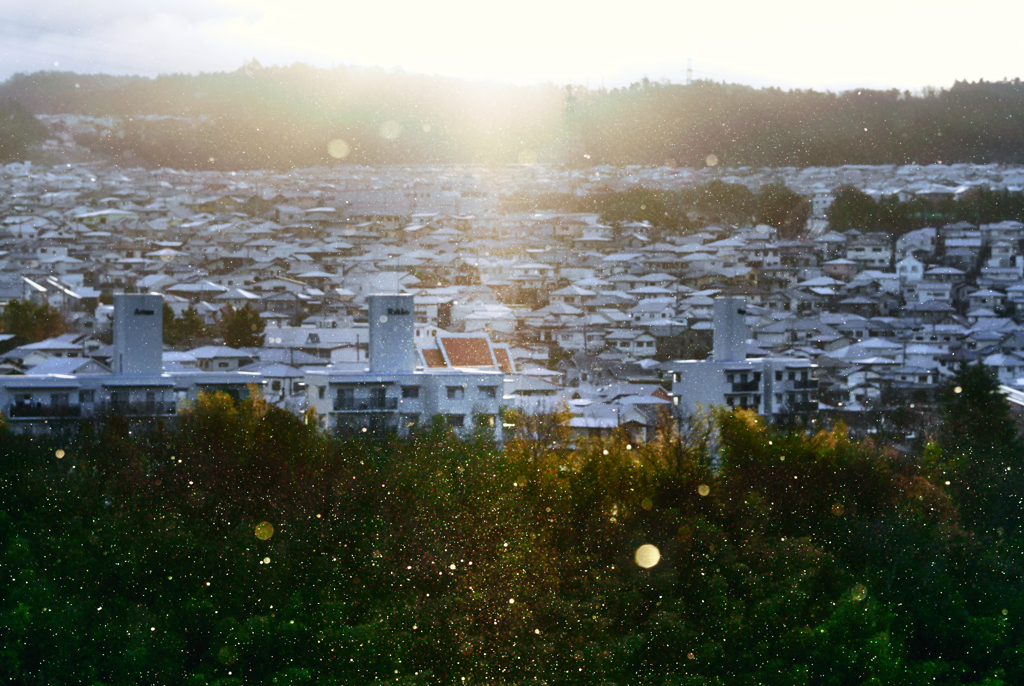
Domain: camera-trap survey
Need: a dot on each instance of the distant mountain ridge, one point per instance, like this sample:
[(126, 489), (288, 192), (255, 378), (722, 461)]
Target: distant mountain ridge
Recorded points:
[(286, 117)]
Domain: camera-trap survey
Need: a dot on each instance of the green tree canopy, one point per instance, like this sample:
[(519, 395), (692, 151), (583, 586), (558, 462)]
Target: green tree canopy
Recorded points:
[(782, 208), (852, 209), (980, 447), (30, 322), (241, 328), (184, 331)]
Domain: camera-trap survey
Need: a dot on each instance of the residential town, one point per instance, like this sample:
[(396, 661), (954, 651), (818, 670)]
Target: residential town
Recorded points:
[(388, 297)]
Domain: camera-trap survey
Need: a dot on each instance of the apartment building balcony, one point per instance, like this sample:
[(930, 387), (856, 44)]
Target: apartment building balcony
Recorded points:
[(746, 387), (155, 408), (41, 411), (137, 409), (365, 404)]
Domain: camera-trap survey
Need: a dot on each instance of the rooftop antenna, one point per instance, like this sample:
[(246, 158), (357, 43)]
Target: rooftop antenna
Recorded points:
[(689, 70)]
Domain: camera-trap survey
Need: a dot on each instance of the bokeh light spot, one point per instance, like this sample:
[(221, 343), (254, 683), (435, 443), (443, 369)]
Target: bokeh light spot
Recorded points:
[(859, 592), (712, 160), (59, 454), (390, 130), (703, 489), (958, 389), (264, 530), (647, 556), (338, 149)]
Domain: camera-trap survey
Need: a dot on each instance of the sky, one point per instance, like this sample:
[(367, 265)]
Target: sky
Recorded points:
[(907, 45)]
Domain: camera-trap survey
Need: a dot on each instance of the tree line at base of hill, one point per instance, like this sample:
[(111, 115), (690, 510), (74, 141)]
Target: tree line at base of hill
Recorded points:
[(689, 209), (245, 546), (855, 209), (734, 204), (297, 116)]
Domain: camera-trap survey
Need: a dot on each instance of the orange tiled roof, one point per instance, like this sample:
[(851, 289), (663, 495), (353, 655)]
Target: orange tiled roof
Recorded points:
[(468, 352), (504, 363), (433, 357)]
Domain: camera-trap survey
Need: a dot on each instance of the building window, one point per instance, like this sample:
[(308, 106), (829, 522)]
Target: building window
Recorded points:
[(222, 365), (86, 396), (456, 421), (321, 391), (778, 376), (456, 392), (489, 391), (410, 391), (275, 385)]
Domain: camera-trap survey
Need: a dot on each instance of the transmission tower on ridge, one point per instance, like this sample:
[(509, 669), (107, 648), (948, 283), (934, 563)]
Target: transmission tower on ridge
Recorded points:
[(689, 70)]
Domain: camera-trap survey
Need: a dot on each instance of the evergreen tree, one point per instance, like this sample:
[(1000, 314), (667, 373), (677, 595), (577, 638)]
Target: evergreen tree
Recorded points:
[(30, 322), (780, 207), (852, 209), (241, 328), (980, 448), (184, 331)]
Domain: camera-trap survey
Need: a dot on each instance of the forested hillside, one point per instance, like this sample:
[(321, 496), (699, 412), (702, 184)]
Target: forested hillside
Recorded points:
[(286, 116), (246, 547)]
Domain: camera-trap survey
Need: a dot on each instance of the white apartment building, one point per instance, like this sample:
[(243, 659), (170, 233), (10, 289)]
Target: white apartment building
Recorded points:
[(772, 386), (402, 386), (67, 391)]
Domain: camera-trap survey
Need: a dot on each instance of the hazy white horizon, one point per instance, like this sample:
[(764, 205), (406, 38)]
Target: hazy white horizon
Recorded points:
[(789, 44)]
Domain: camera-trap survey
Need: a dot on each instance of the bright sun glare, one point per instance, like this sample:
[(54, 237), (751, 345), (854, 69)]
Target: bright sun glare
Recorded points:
[(791, 44)]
